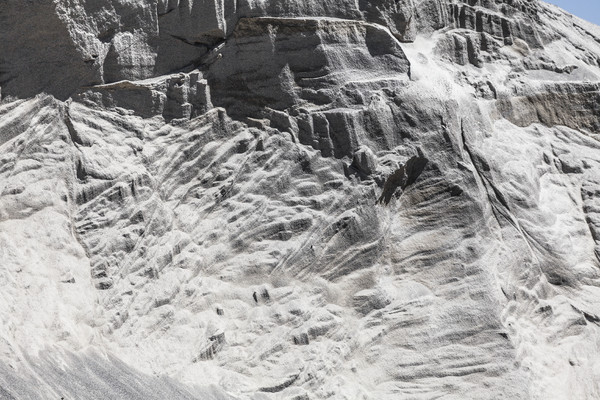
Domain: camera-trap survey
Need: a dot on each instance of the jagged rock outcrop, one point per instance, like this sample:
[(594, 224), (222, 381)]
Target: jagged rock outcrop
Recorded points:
[(299, 200), (124, 40)]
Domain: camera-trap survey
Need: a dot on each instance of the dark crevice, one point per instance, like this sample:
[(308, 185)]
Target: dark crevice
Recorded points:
[(594, 319), (81, 173), (75, 138), (282, 386), (107, 36), (403, 177), (195, 44), (166, 13)]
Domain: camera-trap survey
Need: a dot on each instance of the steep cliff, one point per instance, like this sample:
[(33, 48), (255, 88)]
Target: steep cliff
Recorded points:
[(269, 199)]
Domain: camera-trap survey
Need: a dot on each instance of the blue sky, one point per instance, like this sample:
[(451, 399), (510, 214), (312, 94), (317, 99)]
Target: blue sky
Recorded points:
[(586, 9)]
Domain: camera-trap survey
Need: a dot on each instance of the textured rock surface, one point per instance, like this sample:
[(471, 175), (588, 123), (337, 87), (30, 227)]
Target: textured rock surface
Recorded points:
[(269, 199)]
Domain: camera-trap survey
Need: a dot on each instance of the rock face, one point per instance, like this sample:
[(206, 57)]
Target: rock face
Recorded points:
[(269, 199)]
